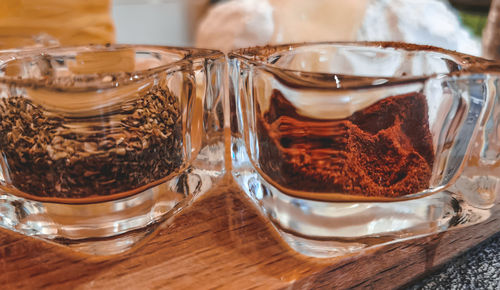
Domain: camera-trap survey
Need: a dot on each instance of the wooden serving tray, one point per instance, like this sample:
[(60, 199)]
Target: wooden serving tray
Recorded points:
[(221, 241)]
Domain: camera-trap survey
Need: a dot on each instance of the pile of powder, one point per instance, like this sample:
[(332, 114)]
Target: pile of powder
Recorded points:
[(384, 150)]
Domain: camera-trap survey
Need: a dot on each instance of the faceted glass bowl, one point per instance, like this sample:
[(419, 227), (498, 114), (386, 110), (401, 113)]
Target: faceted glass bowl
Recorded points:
[(344, 146), (101, 143)]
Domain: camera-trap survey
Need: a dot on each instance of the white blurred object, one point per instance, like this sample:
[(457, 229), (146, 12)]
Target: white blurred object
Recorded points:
[(429, 22), (243, 23), (318, 20), (236, 24)]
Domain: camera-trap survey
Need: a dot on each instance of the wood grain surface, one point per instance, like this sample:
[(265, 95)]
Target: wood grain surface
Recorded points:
[(222, 242)]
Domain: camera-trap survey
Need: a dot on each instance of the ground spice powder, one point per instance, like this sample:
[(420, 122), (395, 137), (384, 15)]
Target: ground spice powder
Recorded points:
[(384, 150)]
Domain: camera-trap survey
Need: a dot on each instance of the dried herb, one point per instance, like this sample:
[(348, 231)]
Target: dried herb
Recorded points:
[(46, 157)]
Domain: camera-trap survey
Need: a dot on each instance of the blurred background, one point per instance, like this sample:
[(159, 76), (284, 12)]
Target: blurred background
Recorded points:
[(460, 25)]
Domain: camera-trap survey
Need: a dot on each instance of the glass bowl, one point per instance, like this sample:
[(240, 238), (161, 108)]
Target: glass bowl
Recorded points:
[(101, 143), (345, 146)]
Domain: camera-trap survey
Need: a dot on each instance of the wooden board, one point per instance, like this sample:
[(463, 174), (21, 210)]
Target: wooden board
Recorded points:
[(222, 242)]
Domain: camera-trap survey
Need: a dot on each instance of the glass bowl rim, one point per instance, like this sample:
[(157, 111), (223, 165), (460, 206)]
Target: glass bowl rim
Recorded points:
[(257, 56), (119, 78)]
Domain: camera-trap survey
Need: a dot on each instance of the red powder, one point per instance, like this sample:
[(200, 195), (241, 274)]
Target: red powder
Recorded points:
[(384, 150)]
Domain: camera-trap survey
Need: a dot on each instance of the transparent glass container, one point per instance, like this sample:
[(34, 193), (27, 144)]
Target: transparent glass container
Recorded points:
[(346, 146), (100, 144)]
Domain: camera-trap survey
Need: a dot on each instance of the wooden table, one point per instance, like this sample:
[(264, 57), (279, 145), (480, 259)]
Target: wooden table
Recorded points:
[(222, 242)]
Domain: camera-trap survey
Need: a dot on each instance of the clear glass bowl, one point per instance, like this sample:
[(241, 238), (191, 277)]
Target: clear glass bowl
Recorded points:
[(101, 143), (344, 146)]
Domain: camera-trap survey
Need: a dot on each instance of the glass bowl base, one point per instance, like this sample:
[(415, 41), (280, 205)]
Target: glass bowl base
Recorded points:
[(328, 229), (105, 228)]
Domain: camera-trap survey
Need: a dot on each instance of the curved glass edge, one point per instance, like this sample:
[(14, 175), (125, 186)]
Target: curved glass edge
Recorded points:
[(261, 56), (92, 81), (479, 182)]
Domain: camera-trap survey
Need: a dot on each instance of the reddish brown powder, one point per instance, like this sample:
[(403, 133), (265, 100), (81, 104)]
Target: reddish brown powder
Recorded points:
[(384, 150)]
